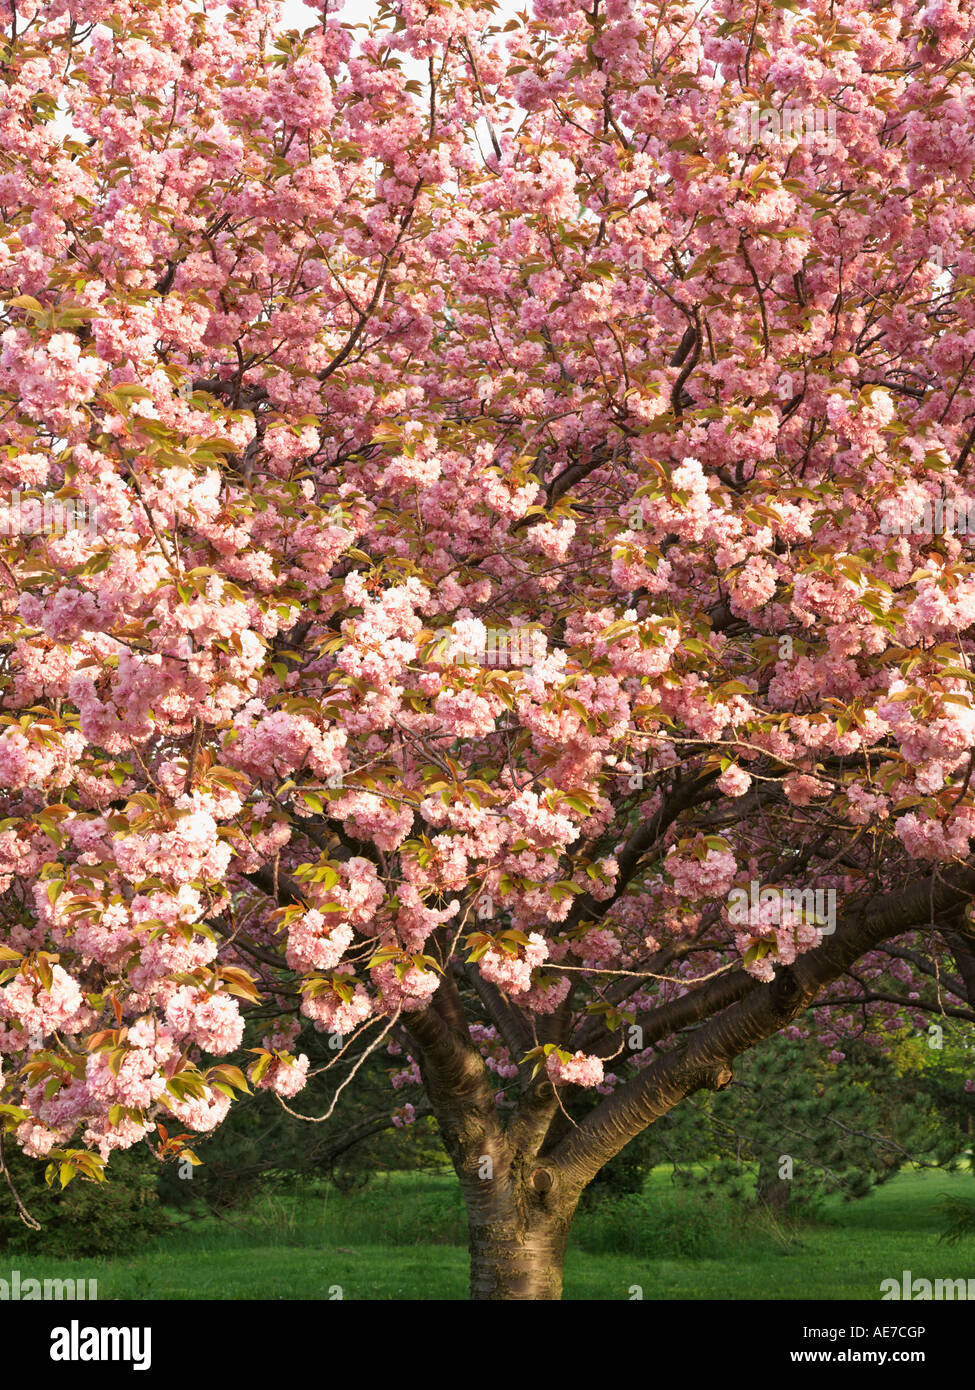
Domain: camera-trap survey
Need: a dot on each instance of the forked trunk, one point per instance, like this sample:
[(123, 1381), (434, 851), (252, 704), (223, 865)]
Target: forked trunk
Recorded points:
[(518, 1239)]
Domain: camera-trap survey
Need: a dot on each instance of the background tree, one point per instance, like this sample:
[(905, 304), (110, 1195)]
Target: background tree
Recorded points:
[(85, 1219), (260, 1147), (513, 462), (802, 1121), (804, 1127)]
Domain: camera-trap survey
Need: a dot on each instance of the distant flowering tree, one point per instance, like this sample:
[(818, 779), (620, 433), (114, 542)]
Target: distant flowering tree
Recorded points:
[(364, 344)]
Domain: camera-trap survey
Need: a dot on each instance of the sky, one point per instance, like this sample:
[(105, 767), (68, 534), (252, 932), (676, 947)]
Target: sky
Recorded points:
[(299, 16)]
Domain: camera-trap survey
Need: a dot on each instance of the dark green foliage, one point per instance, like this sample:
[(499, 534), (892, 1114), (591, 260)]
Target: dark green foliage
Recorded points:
[(261, 1148), (622, 1176), (665, 1224), (960, 1213), (846, 1126), (85, 1218), (795, 1127)]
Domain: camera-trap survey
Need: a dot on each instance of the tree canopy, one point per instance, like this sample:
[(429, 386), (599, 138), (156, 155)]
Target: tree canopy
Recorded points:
[(484, 561)]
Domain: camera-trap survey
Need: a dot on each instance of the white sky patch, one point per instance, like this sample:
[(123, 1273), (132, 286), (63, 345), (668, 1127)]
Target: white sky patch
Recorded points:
[(299, 16)]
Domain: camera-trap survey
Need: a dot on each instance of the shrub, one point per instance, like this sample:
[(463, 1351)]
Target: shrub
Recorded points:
[(85, 1218)]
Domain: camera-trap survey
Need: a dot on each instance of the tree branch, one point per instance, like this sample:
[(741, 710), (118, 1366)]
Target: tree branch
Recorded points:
[(705, 1060)]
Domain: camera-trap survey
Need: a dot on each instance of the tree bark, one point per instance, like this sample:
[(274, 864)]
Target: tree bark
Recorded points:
[(522, 1181), (961, 942), (511, 1262), (519, 1230)]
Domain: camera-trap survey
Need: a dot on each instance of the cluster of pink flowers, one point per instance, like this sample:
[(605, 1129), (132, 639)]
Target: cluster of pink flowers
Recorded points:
[(512, 971), (577, 1070), (25, 762), (43, 1009), (406, 992), (734, 781), (330, 1013), (317, 940), (190, 850), (707, 877), (212, 1021), (285, 1079), (201, 1114), (275, 743)]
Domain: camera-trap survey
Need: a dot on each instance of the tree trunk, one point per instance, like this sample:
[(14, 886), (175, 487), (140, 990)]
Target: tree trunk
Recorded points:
[(771, 1189), (512, 1261), (519, 1230)]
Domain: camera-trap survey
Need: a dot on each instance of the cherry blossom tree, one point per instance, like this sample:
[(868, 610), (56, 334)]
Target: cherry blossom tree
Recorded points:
[(473, 564)]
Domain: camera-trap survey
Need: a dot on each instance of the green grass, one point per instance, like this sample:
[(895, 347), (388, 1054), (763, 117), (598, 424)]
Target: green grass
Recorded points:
[(844, 1254), (405, 1238)]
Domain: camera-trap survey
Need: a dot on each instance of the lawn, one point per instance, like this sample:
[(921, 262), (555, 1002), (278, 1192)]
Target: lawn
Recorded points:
[(404, 1238)]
